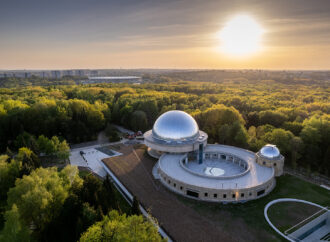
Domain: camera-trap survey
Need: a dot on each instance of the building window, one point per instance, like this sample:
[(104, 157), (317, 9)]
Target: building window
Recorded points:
[(242, 194), (181, 188), (223, 157), (215, 195), (250, 194), (224, 195), (169, 182), (264, 163), (205, 194), (260, 192), (234, 196), (274, 164), (192, 193), (174, 184)]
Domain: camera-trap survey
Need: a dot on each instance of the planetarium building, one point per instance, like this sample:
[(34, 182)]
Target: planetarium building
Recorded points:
[(190, 167)]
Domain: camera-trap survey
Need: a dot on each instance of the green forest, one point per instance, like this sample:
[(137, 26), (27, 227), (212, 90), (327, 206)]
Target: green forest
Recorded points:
[(246, 112), (43, 118)]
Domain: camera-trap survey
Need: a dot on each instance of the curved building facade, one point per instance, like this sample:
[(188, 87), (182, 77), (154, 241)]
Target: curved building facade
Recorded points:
[(187, 165)]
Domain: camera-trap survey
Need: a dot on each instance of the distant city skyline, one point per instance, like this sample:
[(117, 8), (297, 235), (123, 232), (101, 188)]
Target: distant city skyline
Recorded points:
[(85, 34)]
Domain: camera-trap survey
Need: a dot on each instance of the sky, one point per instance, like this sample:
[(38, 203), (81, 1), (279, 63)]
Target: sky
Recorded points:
[(96, 34)]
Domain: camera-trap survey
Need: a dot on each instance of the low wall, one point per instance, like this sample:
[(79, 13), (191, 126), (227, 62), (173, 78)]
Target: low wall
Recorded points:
[(247, 169), (217, 195)]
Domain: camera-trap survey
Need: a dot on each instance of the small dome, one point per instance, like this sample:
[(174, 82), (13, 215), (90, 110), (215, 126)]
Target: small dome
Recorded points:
[(175, 125), (270, 151)]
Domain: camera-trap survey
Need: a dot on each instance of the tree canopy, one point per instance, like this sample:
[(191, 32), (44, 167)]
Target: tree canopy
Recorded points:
[(115, 227)]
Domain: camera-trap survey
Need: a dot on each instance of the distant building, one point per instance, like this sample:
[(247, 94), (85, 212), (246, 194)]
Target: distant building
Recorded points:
[(68, 73), (94, 73), (114, 79), (42, 74), (55, 74), (80, 72)]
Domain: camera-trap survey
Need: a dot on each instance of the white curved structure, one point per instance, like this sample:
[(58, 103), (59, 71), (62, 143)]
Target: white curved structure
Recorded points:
[(190, 167), (286, 200)]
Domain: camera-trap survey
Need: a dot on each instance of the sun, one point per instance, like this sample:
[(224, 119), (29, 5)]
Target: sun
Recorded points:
[(241, 36)]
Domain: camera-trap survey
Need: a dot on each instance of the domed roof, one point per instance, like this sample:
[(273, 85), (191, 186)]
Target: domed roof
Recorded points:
[(270, 151), (175, 125)]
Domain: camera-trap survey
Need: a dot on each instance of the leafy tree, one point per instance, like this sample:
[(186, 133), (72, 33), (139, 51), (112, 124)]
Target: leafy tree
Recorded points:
[(14, 229), (272, 117), (224, 134), (111, 132), (281, 138), (45, 145), (150, 108), (311, 135), (41, 195), (296, 145), (294, 127), (27, 140), (218, 115), (139, 121), (240, 134), (63, 150), (316, 137), (9, 171), (115, 227), (54, 146), (29, 159), (263, 129), (108, 195), (91, 190), (75, 217)]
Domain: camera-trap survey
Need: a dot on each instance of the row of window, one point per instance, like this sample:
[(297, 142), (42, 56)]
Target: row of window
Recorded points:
[(210, 155), (264, 163), (215, 195), (169, 182)]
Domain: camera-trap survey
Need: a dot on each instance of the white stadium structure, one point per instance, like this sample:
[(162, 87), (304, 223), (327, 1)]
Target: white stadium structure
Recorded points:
[(190, 167)]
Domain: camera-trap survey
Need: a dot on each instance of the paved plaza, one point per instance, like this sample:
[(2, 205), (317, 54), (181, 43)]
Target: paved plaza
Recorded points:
[(91, 157)]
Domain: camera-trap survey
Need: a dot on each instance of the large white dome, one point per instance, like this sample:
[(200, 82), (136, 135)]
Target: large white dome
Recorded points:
[(175, 125)]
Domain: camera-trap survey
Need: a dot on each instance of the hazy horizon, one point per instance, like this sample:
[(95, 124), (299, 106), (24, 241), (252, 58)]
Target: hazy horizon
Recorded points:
[(165, 69), (40, 35)]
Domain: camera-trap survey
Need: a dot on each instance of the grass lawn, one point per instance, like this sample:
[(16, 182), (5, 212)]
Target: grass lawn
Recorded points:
[(252, 213), (294, 213)]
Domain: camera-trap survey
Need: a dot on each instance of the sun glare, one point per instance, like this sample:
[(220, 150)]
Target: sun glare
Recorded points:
[(241, 36)]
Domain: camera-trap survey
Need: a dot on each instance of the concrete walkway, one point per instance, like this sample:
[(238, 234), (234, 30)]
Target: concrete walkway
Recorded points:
[(122, 129), (91, 158)]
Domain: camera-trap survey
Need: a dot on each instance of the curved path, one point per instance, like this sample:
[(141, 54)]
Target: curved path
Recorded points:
[(285, 200)]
